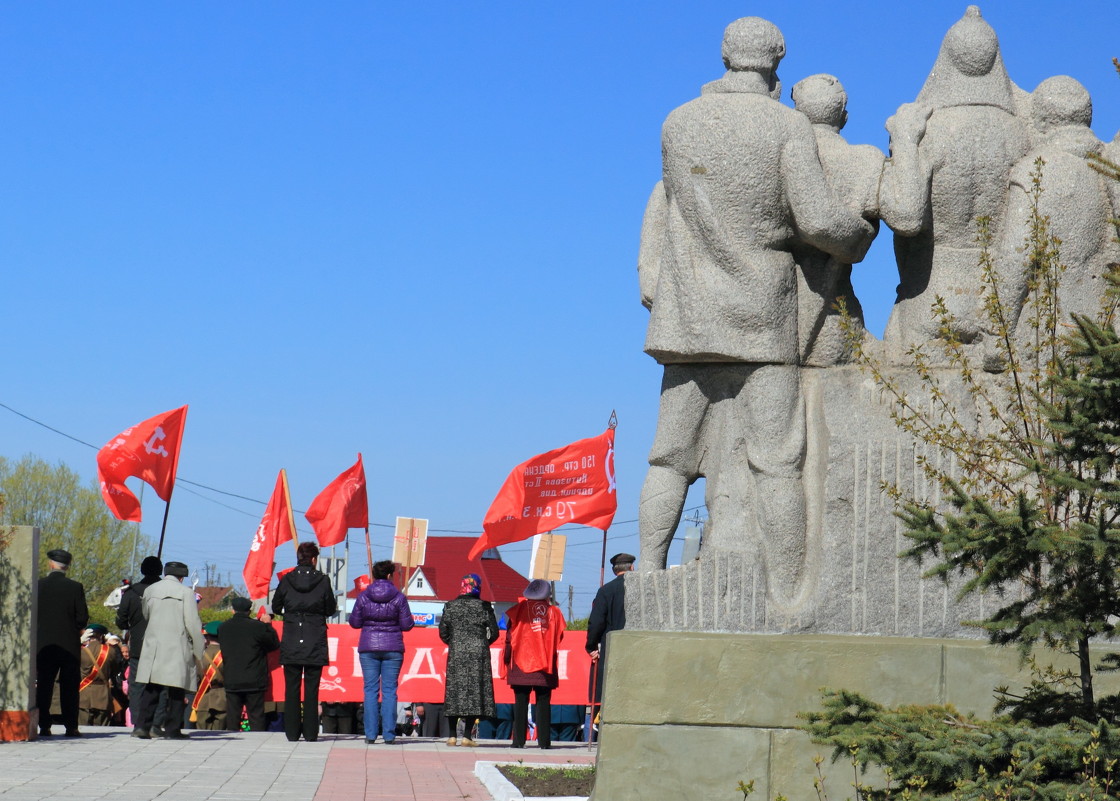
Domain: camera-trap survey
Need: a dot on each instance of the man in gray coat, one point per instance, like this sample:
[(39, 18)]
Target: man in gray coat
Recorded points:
[(173, 648)]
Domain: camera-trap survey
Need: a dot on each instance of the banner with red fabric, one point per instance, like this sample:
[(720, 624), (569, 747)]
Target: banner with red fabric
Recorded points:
[(342, 505), (277, 526), (423, 673), (148, 451), (573, 484)]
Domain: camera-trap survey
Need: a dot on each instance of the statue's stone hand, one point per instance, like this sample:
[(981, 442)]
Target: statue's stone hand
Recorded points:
[(908, 124)]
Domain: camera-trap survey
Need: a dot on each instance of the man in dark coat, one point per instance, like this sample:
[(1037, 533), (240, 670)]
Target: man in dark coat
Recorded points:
[(246, 644), (131, 620), (62, 616), (608, 613)]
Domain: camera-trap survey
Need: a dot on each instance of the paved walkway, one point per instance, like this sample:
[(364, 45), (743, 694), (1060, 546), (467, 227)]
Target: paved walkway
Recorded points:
[(234, 766)]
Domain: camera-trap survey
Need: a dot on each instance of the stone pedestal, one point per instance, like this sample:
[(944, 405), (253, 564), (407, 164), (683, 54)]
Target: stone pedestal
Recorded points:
[(19, 569), (692, 715)]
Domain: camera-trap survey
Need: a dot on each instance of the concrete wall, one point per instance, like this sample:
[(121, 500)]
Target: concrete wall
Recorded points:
[(691, 715), (19, 554)]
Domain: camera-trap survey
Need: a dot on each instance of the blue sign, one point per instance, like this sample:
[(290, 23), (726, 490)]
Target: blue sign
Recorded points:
[(424, 618)]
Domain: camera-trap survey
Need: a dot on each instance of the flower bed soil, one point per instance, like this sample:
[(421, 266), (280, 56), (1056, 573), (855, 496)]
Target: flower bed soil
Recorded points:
[(563, 780)]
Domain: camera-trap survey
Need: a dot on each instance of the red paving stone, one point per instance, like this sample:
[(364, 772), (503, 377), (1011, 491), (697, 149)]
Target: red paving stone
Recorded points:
[(423, 771)]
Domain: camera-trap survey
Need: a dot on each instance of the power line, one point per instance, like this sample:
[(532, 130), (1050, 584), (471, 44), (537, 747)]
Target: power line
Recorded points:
[(180, 480)]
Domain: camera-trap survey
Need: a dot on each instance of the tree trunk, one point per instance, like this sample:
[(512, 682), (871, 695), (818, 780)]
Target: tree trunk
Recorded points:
[(1086, 678)]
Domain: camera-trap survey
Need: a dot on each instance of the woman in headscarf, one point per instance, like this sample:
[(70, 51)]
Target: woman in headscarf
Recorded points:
[(382, 613), (305, 598), (533, 636), (469, 627)]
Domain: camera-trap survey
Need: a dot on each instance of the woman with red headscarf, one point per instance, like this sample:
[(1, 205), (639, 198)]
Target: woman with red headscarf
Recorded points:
[(468, 626)]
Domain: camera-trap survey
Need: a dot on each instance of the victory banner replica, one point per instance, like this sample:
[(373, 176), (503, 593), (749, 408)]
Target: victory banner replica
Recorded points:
[(573, 484), (148, 451)]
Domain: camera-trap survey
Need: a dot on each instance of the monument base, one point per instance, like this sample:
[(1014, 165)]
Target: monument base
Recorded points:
[(692, 715), (19, 570)]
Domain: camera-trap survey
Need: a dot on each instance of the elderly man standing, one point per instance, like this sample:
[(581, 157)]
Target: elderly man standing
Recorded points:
[(62, 616), (742, 188), (246, 644), (173, 648)]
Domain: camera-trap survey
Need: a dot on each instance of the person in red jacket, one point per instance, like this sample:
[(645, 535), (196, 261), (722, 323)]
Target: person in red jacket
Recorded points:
[(533, 636)]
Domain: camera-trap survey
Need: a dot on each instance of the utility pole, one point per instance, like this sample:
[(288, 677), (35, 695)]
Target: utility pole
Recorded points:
[(571, 592)]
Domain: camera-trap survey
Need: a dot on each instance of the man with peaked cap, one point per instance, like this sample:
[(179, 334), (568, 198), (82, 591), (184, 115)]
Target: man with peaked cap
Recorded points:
[(131, 620), (173, 648), (246, 644), (608, 613), (100, 663), (62, 616), (209, 704)]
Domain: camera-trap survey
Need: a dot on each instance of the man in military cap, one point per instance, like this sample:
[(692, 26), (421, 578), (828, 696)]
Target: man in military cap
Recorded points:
[(62, 616), (208, 709), (173, 648), (100, 663), (246, 644), (608, 613)]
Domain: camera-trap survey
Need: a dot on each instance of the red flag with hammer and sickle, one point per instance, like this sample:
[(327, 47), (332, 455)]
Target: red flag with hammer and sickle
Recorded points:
[(149, 451)]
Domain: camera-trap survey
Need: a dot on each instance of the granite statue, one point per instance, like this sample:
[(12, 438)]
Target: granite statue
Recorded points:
[(1074, 199), (853, 172), (951, 153), (742, 186)]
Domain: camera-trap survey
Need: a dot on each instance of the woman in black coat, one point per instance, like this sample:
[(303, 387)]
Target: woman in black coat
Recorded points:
[(469, 628), (305, 599)]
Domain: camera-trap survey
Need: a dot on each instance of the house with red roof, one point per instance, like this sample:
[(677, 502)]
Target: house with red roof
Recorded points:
[(436, 581)]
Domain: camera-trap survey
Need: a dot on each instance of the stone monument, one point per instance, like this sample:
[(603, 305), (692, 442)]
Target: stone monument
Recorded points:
[(19, 570), (723, 313), (746, 241)]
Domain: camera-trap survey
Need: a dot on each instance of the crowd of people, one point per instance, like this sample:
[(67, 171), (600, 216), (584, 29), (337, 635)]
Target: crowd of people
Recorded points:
[(169, 671)]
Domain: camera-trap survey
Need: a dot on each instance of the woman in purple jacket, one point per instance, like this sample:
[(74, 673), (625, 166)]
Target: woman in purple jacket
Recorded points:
[(382, 613)]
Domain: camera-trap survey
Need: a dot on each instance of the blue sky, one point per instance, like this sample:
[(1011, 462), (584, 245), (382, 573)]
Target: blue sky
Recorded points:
[(403, 229)]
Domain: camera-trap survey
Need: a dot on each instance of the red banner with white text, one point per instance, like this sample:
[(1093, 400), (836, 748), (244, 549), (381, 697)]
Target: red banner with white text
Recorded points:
[(425, 662)]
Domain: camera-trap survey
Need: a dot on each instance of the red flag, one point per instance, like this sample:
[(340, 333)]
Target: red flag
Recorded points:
[(148, 451), (342, 505), (277, 526), (573, 484)]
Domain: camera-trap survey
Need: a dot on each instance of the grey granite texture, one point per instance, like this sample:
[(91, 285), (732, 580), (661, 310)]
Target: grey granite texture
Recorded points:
[(951, 154), (747, 241), (1075, 198), (732, 710), (19, 552), (853, 172), (743, 187), (853, 581)]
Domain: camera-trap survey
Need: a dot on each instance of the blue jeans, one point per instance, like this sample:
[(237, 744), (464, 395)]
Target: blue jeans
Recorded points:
[(381, 668)]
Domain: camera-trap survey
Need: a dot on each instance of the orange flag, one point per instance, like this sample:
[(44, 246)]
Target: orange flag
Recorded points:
[(149, 451), (573, 484), (277, 526), (341, 506)]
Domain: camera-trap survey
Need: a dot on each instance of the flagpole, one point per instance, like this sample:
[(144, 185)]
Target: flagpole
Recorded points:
[(612, 424), (163, 531), (369, 551)]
